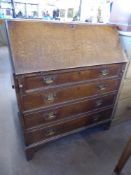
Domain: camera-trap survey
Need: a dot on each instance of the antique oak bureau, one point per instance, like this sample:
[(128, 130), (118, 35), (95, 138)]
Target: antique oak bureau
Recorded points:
[(66, 77)]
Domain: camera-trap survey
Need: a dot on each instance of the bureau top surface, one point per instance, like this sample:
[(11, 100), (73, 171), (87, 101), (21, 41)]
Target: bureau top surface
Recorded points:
[(44, 46)]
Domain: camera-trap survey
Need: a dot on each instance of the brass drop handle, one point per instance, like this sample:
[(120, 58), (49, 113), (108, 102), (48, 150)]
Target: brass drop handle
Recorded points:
[(50, 132), (50, 97), (48, 80), (101, 87), (104, 72), (20, 86), (95, 119), (98, 103), (51, 116)]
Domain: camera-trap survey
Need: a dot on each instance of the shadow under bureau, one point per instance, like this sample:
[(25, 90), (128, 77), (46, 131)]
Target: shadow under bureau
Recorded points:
[(66, 77)]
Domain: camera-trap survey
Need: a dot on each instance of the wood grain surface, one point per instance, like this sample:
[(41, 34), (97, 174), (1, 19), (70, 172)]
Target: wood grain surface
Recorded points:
[(41, 80), (54, 96), (38, 135), (57, 114), (43, 46)]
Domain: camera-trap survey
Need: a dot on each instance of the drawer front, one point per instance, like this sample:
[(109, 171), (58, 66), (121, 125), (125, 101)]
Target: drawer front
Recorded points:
[(126, 89), (123, 109), (83, 121), (37, 81), (59, 95), (55, 114)]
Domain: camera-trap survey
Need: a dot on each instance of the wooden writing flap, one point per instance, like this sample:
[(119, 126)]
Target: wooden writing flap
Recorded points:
[(43, 46)]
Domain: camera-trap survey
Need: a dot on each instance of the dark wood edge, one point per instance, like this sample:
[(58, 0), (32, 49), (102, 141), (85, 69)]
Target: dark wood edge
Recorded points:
[(66, 70), (117, 171), (61, 22)]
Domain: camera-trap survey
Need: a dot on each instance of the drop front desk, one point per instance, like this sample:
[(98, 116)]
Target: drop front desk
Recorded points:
[(66, 77)]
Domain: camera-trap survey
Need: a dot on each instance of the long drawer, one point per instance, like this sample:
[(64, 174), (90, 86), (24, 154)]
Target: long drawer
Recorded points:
[(47, 116), (54, 130), (59, 95), (32, 82)]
